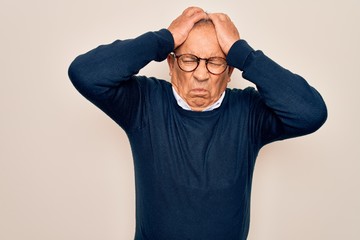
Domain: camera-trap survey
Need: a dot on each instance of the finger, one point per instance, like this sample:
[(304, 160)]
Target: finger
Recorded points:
[(214, 18), (190, 11), (198, 16), (218, 17)]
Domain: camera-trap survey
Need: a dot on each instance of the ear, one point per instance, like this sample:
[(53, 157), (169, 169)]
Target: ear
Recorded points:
[(230, 71), (171, 61)]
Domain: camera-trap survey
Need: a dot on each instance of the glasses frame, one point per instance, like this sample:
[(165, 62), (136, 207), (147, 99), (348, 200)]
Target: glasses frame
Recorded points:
[(198, 62)]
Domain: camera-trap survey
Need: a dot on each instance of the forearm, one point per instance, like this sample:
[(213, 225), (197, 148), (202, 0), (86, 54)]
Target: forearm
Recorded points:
[(297, 105), (107, 66)]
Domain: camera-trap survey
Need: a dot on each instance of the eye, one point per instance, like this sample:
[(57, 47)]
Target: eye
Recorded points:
[(217, 62), (188, 59)]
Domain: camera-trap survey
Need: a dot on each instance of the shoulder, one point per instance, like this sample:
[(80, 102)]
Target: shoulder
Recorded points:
[(249, 93), (243, 99), (151, 83), (151, 88)]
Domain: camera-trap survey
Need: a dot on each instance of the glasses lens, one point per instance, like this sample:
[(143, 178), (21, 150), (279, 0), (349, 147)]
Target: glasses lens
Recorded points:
[(188, 62), (216, 65)]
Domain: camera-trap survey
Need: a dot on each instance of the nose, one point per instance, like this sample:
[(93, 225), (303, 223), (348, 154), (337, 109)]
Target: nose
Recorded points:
[(201, 73)]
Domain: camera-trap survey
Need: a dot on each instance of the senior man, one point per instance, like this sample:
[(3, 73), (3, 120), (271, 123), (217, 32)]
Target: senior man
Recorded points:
[(194, 141)]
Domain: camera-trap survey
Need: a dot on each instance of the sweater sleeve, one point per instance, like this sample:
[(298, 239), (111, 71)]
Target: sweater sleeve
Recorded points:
[(287, 105), (106, 74)]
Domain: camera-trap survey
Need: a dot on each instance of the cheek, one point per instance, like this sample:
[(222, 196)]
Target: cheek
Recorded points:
[(181, 78), (221, 83)]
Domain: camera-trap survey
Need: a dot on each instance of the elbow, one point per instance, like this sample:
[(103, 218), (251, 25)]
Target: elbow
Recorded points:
[(75, 73), (78, 75), (307, 120), (315, 117)]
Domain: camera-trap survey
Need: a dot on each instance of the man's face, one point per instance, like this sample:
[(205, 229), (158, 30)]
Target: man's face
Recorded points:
[(199, 88)]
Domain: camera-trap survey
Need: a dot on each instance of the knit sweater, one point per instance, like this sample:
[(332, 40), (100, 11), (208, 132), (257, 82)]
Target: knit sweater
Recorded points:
[(193, 170)]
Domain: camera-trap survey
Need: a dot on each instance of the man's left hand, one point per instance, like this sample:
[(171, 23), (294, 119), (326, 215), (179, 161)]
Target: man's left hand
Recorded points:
[(226, 31)]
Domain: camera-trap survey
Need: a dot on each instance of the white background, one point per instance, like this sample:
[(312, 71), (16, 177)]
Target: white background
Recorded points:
[(66, 169)]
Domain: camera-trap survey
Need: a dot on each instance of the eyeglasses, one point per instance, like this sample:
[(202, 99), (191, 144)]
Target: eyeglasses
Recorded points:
[(189, 62)]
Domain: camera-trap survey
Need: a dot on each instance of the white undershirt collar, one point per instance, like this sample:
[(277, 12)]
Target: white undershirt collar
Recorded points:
[(183, 104)]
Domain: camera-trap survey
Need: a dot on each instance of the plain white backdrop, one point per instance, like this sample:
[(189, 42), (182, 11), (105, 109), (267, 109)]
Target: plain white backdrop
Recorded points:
[(66, 169)]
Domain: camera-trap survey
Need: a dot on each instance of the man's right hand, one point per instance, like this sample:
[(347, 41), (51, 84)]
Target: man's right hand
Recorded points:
[(182, 25)]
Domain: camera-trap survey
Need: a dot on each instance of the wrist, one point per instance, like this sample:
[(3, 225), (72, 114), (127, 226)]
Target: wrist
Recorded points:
[(238, 54)]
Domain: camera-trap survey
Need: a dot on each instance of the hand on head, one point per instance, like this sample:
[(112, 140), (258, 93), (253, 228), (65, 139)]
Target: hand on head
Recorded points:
[(227, 33), (183, 24)]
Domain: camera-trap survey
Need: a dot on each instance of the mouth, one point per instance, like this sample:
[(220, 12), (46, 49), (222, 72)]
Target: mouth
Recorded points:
[(199, 92)]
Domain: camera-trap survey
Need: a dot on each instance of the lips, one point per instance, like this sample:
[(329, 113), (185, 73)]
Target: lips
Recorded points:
[(199, 92)]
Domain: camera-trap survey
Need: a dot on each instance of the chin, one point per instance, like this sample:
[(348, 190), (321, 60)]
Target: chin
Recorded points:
[(200, 103)]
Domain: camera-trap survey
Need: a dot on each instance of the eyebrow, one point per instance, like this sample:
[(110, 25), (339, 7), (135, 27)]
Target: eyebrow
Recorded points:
[(211, 55)]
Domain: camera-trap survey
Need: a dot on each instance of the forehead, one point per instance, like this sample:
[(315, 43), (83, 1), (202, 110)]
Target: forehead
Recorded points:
[(202, 42)]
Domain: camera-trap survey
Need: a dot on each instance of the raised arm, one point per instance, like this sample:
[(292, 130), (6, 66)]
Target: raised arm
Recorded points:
[(106, 74), (102, 74), (289, 106)]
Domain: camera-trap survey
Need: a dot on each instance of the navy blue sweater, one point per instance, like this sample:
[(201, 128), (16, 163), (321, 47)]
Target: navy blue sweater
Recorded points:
[(193, 170)]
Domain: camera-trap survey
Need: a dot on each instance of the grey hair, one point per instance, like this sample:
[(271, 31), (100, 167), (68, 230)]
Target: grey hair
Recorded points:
[(204, 21)]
